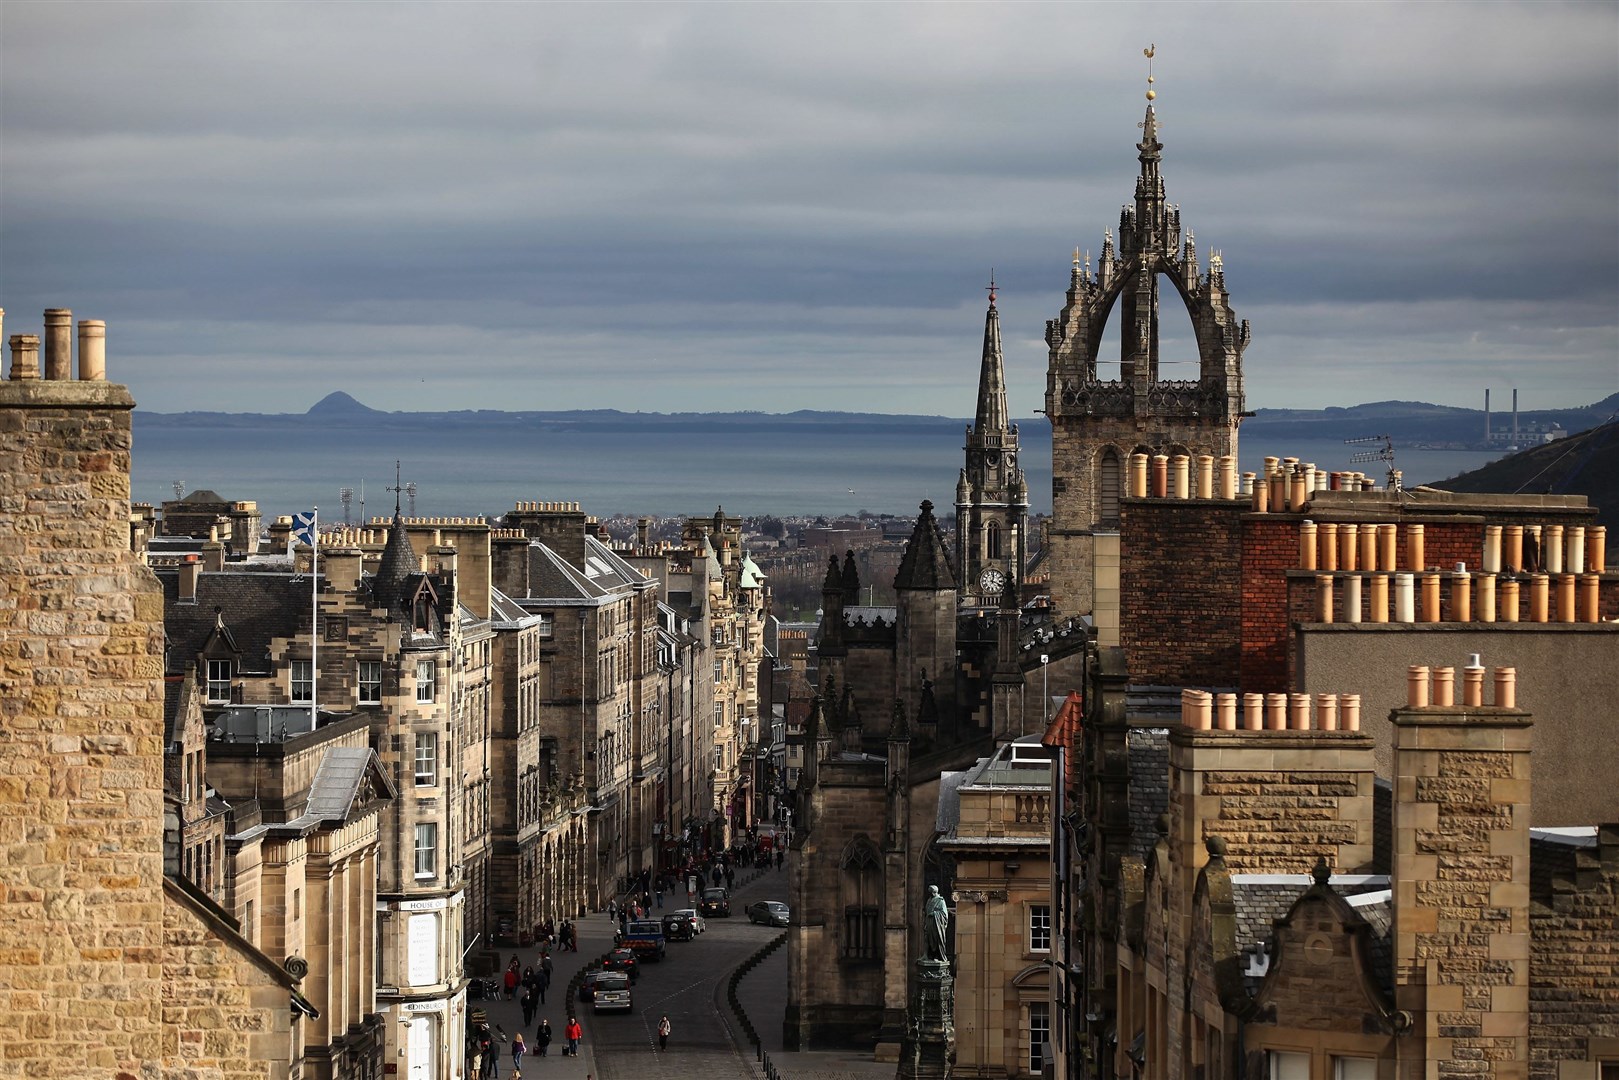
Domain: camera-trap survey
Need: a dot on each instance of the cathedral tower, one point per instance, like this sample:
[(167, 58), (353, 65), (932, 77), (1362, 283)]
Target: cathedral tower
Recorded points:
[(1096, 423), (992, 500)]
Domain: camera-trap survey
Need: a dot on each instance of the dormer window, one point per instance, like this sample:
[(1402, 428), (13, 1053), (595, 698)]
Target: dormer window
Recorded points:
[(219, 672)]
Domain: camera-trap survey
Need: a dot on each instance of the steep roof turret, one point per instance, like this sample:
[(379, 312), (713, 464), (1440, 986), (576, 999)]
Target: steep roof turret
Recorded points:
[(398, 563), (926, 563)]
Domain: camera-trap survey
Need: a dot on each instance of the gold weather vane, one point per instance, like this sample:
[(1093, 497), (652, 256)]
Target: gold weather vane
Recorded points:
[(1149, 52)]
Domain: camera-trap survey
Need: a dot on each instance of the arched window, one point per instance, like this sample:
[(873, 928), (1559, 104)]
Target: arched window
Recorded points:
[(992, 540), (1109, 477), (862, 903)]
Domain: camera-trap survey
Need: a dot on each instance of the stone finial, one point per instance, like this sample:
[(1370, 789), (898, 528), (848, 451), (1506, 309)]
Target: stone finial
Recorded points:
[(1322, 873), (1215, 846)]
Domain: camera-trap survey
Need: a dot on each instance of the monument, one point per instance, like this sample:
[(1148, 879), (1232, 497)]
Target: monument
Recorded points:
[(929, 1049)]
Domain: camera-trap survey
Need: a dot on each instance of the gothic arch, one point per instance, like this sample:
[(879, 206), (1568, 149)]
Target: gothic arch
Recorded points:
[(860, 890)]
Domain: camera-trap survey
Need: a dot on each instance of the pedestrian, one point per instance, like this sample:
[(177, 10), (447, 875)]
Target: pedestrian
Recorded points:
[(528, 1006), (573, 1033), (519, 1048), (663, 1034), (542, 983), (660, 894), (542, 1037), (545, 967), (781, 857), (511, 981), (612, 909)]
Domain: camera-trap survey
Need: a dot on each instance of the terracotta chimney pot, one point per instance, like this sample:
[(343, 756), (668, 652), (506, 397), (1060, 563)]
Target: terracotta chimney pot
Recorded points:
[(58, 344), (1388, 537), (1415, 558), (1416, 687), (1307, 545), (1226, 710), (1513, 555), (1506, 688), (1276, 712), (1430, 597), (1461, 597), (1539, 598), (1323, 598), (1160, 476), (1349, 712), (1253, 711), (1404, 598), (1473, 684), (1326, 712), (92, 350), (1228, 477), (1205, 476), (1348, 546), (1492, 549), (1486, 598), (1180, 477), (1509, 596), (1328, 533), (1574, 549), (1444, 687), (1596, 549), (1379, 603), (1565, 597), (1368, 547), (1590, 598)]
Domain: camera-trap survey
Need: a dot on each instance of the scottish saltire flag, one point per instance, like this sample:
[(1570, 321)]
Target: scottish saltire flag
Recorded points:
[(303, 528)]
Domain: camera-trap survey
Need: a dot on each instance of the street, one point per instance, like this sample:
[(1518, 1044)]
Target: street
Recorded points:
[(688, 986)]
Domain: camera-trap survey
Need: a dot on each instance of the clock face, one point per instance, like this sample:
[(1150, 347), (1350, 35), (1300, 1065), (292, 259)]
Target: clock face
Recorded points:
[(992, 580)]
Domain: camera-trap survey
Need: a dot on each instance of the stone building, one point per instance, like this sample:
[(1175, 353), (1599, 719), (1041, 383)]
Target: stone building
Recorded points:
[(1188, 855), (1098, 422), (90, 863), (995, 823)]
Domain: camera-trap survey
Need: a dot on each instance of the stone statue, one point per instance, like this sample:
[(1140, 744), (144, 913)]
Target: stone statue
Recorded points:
[(935, 921)]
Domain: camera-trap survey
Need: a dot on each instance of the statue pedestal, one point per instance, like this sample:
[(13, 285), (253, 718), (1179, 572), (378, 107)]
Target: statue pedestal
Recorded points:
[(929, 1050)]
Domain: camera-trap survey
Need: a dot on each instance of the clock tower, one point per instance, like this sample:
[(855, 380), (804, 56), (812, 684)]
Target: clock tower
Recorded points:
[(992, 500)]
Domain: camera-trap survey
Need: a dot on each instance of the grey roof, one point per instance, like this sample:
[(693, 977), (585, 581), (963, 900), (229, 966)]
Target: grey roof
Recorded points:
[(506, 612), (254, 608), (950, 784), (399, 563), (336, 787)]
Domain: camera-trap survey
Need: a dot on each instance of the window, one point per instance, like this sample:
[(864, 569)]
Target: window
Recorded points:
[(219, 682), (1352, 1068), (426, 758), (1039, 1035), (426, 849), (424, 682), (992, 541), (303, 682), (1108, 474), (1039, 927), (370, 682), (1285, 1066), (297, 904), (548, 625), (862, 896), (247, 922)]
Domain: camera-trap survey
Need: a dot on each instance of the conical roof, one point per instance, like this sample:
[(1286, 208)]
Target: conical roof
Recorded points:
[(926, 563), (398, 563)]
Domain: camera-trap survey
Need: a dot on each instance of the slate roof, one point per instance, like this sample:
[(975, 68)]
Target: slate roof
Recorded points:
[(1261, 899), (926, 562), (504, 611), (339, 778), (253, 607), (203, 495)]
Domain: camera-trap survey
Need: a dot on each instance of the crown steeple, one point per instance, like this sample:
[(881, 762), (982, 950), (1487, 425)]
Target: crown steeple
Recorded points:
[(992, 500)]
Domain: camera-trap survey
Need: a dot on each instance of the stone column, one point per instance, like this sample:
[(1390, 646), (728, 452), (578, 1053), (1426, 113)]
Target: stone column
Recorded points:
[(1461, 864), (930, 1028)]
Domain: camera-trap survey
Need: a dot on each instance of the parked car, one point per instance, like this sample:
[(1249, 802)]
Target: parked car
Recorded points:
[(612, 992), (677, 927), (622, 959), (690, 914), (715, 902), (768, 912), (587, 985)]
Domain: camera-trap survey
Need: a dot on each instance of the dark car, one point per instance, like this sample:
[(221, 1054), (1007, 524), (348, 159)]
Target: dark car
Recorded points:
[(715, 902), (677, 928), (768, 912), (622, 960), (587, 985)]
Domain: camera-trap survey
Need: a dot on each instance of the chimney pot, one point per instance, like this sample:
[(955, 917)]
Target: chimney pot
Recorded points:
[(1444, 687), (1416, 687), (58, 344), (1506, 688), (1349, 712), (92, 350), (24, 357)]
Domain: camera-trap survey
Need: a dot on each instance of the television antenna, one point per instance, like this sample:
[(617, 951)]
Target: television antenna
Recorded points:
[(347, 495), (1385, 454)]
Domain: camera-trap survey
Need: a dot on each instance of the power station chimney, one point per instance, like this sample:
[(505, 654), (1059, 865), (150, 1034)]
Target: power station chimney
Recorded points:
[(1514, 416), (1486, 414)]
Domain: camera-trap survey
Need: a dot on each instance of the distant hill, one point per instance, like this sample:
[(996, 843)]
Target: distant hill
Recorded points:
[(1412, 424), (1585, 464)]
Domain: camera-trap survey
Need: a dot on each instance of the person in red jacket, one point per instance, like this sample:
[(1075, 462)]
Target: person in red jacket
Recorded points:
[(573, 1033)]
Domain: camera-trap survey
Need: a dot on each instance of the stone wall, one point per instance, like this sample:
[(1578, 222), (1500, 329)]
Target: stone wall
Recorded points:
[(1574, 995), (81, 763), (225, 1013)]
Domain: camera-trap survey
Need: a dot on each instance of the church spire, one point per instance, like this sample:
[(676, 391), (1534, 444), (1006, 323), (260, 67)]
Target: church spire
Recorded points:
[(991, 374)]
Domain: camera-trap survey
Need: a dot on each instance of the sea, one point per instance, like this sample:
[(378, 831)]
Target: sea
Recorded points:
[(791, 471)]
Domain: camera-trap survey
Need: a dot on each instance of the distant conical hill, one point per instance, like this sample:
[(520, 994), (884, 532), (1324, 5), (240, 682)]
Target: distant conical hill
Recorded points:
[(339, 404), (1584, 464)]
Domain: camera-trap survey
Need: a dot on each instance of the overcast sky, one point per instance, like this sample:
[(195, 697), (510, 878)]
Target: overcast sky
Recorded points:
[(747, 206)]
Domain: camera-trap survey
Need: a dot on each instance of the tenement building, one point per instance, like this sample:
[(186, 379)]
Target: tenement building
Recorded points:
[(91, 886)]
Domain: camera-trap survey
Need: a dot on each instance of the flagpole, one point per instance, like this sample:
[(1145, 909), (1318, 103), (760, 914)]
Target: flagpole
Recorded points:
[(314, 621)]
